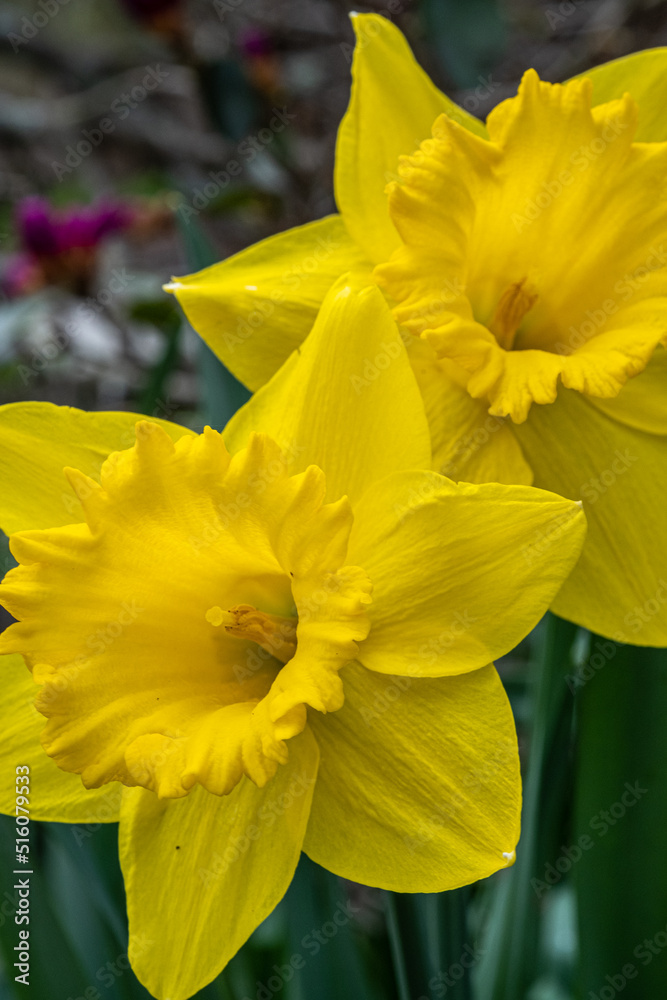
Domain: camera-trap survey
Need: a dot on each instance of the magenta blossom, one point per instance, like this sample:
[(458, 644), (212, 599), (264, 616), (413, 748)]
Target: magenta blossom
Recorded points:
[(44, 231), (58, 247), (256, 43)]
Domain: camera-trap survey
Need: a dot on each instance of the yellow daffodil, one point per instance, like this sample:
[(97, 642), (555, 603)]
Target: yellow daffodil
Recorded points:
[(525, 261), (274, 639)]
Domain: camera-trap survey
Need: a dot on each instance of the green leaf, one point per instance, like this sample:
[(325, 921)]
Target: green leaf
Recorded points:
[(511, 960), (431, 942), (55, 964), (621, 808), (168, 320), (222, 393), (468, 37), (230, 100), (323, 940)]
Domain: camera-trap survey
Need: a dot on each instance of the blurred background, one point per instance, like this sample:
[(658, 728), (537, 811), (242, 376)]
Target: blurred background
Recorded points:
[(118, 118), (141, 139)]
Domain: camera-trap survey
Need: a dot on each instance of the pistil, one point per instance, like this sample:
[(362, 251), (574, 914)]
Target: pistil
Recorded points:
[(515, 302), (275, 634)]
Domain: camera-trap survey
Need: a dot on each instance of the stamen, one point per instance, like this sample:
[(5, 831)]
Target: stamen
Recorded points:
[(512, 306), (273, 633)]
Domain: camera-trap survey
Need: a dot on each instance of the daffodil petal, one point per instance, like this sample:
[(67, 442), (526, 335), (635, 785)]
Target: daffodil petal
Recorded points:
[(468, 443), (619, 586), (460, 573), (37, 441), (419, 787), (386, 80), (355, 357), (641, 401), (255, 308), (201, 873), (644, 76), (55, 795)]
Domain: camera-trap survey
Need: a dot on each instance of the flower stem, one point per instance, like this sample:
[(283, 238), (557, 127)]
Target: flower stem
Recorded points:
[(429, 940), (620, 820), (397, 949), (510, 960)]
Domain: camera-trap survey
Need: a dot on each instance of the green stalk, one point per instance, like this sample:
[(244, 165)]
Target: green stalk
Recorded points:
[(322, 943), (151, 401), (222, 393), (510, 962), (429, 938), (397, 948), (621, 822)]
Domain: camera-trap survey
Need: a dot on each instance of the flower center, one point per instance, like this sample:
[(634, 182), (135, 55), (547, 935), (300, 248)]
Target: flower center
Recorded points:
[(512, 306), (558, 199), (275, 634), (181, 633)]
